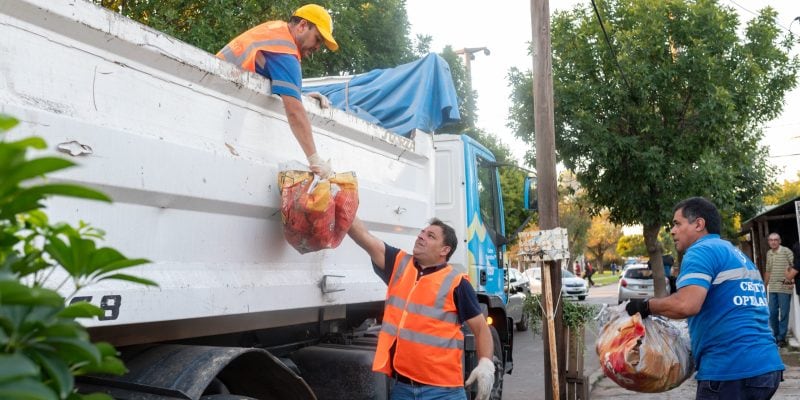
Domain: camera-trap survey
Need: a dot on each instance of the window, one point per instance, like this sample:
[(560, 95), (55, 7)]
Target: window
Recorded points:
[(487, 196), (639, 273)]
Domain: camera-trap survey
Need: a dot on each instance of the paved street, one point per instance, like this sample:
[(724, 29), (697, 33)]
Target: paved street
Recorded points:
[(527, 381)]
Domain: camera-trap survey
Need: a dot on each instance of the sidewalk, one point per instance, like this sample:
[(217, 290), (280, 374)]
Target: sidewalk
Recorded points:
[(604, 388)]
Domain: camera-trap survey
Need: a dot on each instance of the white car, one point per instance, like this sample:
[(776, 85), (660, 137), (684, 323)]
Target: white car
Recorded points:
[(517, 290), (636, 283), (572, 287)]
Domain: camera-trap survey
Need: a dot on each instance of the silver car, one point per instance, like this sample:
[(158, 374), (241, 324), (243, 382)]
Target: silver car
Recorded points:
[(572, 287), (636, 283), (517, 289)]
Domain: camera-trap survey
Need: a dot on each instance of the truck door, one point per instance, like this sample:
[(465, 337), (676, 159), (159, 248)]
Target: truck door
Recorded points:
[(485, 225)]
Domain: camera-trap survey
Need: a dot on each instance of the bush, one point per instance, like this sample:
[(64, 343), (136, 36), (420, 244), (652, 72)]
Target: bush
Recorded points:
[(42, 346)]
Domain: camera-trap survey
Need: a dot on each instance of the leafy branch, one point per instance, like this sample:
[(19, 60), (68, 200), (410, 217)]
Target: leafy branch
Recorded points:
[(42, 346)]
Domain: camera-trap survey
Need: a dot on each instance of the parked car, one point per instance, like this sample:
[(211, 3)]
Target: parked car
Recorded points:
[(518, 281), (518, 289), (636, 283), (571, 286)]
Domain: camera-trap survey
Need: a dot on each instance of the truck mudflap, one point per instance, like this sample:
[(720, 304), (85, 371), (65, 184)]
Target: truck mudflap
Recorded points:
[(342, 371), (185, 372)]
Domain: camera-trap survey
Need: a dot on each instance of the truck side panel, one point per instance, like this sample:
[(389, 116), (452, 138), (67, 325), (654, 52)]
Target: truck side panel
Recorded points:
[(189, 147)]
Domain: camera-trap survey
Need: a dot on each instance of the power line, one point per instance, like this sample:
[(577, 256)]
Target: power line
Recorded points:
[(756, 14), (786, 155), (610, 47)]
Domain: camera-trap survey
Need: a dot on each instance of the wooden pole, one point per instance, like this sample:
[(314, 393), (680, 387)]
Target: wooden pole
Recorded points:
[(547, 191), (551, 329)]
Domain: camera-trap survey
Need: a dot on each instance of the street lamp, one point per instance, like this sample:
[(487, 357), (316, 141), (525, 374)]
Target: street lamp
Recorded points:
[(469, 55)]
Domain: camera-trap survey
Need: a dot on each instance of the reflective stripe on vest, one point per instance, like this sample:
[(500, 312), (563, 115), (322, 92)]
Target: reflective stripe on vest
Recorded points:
[(245, 50), (421, 321)]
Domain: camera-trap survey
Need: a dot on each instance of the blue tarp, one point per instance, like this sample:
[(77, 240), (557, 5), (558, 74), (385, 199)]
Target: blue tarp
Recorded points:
[(417, 95)]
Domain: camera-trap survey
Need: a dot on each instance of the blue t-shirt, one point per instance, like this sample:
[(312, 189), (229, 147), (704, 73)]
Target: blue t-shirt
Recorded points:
[(464, 296), (284, 72), (731, 337)]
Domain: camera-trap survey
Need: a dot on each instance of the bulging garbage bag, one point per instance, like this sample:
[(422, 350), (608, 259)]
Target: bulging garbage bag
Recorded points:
[(651, 355), (317, 213)]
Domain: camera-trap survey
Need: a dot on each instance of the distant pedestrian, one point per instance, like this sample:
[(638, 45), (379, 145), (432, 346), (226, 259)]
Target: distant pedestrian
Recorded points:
[(668, 260), (589, 273), (577, 268), (792, 275), (613, 268), (779, 265)]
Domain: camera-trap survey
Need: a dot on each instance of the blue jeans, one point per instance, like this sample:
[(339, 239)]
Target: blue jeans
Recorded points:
[(404, 391), (779, 314), (755, 388)]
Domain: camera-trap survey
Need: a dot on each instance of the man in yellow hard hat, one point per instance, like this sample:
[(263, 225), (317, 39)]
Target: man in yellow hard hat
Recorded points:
[(274, 49)]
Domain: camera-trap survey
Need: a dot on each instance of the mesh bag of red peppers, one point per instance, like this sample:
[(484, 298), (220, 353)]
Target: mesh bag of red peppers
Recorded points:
[(317, 213)]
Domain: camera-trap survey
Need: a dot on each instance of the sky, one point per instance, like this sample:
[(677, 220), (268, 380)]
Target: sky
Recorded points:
[(506, 31)]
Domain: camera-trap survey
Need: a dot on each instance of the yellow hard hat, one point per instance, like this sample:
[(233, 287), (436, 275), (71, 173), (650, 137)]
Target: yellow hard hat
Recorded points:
[(318, 16)]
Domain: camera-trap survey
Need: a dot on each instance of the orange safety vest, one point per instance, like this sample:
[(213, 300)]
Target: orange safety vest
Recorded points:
[(420, 319), (245, 50)]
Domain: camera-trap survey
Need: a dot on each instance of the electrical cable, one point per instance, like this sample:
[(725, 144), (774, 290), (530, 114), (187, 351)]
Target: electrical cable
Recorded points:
[(611, 48)]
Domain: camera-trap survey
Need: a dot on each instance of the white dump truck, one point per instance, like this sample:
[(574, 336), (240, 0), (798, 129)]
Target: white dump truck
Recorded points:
[(189, 147)]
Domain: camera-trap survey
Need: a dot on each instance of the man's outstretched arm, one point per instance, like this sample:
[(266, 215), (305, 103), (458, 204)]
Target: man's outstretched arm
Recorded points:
[(374, 246)]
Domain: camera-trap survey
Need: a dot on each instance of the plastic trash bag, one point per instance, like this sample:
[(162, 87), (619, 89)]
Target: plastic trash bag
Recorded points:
[(651, 355), (317, 213)]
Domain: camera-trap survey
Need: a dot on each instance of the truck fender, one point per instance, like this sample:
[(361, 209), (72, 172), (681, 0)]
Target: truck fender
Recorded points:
[(185, 371)]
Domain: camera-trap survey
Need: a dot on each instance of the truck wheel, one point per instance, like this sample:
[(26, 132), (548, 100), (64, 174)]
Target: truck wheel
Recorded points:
[(226, 397), (522, 325), (499, 366)]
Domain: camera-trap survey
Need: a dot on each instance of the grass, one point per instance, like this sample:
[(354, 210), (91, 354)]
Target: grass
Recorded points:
[(605, 278)]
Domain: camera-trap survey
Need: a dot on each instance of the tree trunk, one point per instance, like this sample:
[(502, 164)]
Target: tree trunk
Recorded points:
[(654, 251)]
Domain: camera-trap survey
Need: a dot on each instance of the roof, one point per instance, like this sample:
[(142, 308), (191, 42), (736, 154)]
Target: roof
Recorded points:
[(786, 207)]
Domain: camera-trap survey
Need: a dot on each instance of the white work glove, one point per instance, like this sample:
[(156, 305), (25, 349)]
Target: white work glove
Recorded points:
[(319, 166), (323, 101), (484, 373)]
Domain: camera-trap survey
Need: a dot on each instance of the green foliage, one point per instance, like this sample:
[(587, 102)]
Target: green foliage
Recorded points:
[(576, 315), (371, 34), (683, 117), (42, 347), (631, 246), (782, 193), (573, 213)]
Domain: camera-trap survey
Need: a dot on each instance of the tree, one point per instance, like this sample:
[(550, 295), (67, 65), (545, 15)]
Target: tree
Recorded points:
[(670, 107), (602, 239), (783, 193), (631, 246), (371, 34), (573, 213)]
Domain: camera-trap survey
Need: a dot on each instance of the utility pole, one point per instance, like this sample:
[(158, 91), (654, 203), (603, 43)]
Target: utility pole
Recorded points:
[(469, 55), (553, 335)]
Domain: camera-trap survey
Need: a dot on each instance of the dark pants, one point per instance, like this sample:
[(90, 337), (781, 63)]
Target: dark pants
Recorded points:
[(760, 387)]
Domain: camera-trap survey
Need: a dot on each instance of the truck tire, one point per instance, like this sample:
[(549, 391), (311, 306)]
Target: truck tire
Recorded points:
[(499, 366), (226, 397), (522, 325), (499, 369)]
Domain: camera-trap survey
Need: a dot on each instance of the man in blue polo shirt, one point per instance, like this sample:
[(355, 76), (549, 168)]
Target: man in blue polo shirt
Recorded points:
[(722, 294)]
